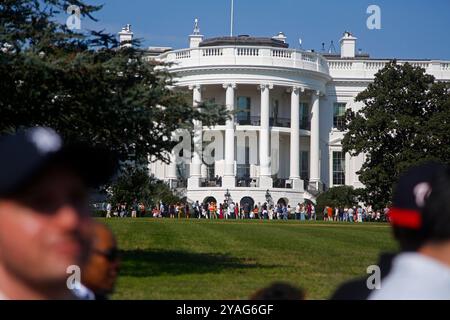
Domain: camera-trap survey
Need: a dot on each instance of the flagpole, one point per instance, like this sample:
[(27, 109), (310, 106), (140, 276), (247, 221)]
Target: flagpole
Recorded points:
[(232, 17)]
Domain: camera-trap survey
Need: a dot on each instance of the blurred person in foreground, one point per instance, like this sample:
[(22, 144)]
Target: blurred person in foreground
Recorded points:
[(99, 274), (279, 291), (421, 222), (45, 224), (420, 219)]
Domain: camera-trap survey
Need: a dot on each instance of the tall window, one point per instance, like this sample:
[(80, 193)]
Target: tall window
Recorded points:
[(304, 165), (243, 110), (182, 171), (339, 116), (274, 113), (305, 123), (338, 168), (243, 170), (211, 171), (211, 168)]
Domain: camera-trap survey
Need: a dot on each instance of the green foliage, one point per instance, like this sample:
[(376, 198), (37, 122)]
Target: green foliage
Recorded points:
[(162, 192), (405, 121), (134, 183), (86, 87), (98, 213), (343, 196)]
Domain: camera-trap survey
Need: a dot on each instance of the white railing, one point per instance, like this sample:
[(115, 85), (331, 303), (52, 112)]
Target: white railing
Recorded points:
[(212, 52), (183, 54), (247, 52), (242, 55), (309, 57), (369, 68), (281, 53), (375, 65), (424, 65), (340, 65), (372, 65)]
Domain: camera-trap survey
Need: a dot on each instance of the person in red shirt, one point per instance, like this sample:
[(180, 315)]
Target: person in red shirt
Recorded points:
[(221, 212), (330, 214)]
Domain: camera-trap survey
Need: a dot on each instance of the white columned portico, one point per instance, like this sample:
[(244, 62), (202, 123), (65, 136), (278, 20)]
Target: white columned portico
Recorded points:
[(229, 178), (196, 163), (295, 139), (315, 139), (264, 138)]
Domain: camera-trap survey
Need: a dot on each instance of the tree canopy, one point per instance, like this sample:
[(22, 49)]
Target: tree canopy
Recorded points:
[(404, 122), (84, 85), (338, 197), (134, 184)]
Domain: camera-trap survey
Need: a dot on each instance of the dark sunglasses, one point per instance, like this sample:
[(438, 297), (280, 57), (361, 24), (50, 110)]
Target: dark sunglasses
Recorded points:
[(47, 205), (111, 255)]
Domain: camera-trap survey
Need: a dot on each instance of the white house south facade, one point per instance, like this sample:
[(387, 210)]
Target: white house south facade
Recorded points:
[(283, 142)]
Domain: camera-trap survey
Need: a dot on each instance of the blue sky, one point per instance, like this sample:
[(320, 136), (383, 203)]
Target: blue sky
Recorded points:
[(410, 28)]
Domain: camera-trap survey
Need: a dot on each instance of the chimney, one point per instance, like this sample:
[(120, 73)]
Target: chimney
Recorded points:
[(281, 37), (348, 45), (126, 36), (195, 38)]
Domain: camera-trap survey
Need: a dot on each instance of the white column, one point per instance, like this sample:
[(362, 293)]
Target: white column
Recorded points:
[(295, 139), (229, 179), (264, 139), (315, 138), (172, 166), (172, 172), (196, 163)]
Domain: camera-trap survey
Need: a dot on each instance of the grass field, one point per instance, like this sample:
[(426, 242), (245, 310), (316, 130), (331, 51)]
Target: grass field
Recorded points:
[(180, 259)]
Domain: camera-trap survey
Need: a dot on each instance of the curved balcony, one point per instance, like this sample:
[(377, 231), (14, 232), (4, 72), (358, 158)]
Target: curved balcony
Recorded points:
[(246, 56), (275, 123)]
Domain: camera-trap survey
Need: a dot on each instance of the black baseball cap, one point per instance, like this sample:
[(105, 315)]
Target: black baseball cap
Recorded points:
[(412, 195), (25, 154)]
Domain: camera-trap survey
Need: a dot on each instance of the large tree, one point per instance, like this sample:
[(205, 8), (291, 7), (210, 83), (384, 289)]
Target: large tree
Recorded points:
[(404, 122), (85, 86), (134, 183), (337, 197)]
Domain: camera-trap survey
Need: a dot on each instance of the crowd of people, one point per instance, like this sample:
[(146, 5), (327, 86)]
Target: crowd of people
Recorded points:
[(122, 210), (355, 214), (211, 210)]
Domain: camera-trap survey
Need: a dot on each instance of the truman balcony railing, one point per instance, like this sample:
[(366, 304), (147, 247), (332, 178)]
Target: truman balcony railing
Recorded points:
[(256, 121), (210, 183), (282, 183), (243, 177), (249, 56), (273, 122), (247, 182), (178, 183)]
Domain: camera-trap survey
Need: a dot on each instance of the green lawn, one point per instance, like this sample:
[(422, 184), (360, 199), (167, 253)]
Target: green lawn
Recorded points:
[(180, 259)]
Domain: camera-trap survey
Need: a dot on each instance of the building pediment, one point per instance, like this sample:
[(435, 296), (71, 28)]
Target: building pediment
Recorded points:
[(335, 142)]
